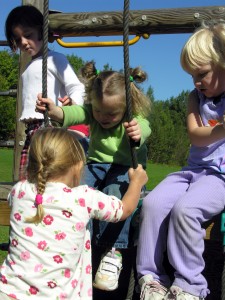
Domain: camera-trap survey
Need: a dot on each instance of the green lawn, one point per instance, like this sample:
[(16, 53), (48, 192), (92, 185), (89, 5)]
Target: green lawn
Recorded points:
[(156, 173)]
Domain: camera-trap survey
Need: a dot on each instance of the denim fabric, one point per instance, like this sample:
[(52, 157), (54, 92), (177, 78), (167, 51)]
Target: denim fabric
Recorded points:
[(84, 143), (111, 179)]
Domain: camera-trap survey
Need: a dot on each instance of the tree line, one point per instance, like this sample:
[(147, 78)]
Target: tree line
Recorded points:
[(168, 143)]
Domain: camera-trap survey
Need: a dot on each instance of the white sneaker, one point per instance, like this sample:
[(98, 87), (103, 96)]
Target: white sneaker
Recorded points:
[(108, 272), (177, 293), (151, 289)]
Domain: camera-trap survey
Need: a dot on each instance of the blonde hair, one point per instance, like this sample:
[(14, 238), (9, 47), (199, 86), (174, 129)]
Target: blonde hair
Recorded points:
[(205, 46), (53, 151), (112, 83)]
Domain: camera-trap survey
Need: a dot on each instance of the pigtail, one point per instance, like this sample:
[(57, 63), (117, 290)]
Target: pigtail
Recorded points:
[(41, 183), (141, 104), (92, 80)]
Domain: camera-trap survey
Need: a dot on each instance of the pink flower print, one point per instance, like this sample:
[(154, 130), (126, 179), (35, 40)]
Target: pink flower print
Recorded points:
[(67, 190), (74, 283), (13, 192), (60, 236), (67, 213), (62, 296), (14, 243), (48, 220), (79, 226), (107, 215), (52, 284), (67, 273), (21, 194), (101, 205), (28, 231), (17, 216), (25, 255), (81, 201), (3, 279), (58, 259), (50, 199), (42, 245), (88, 244), (38, 268), (113, 204), (91, 188), (12, 296), (90, 292), (89, 209), (88, 269), (33, 290)]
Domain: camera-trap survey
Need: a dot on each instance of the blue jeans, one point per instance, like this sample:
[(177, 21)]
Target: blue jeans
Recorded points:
[(111, 179), (84, 143)]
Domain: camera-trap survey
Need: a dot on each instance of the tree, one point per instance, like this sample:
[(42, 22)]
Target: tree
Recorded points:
[(76, 62), (9, 71), (169, 142)]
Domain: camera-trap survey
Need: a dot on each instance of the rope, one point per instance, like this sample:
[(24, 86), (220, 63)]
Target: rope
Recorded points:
[(127, 75), (129, 110), (45, 58)]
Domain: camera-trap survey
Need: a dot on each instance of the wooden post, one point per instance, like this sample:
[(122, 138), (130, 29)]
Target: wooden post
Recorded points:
[(20, 128)]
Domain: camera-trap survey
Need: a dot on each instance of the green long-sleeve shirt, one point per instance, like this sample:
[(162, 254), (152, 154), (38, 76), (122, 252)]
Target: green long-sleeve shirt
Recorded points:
[(108, 145)]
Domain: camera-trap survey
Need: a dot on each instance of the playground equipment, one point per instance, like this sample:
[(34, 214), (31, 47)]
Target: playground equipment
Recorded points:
[(138, 23)]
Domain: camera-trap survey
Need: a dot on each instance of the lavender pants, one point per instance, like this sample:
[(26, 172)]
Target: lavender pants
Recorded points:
[(171, 219)]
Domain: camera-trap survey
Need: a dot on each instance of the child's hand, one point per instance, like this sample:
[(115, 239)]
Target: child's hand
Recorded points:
[(66, 100), (54, 112), (133, 130), (139, 175)]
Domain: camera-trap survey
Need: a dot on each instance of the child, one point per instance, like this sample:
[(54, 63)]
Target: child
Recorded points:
[(23, 29), (172, 214), (50, 251), (109, 155)]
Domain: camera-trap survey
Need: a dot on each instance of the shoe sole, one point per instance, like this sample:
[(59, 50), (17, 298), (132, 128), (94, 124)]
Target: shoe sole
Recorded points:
[(104, 288)]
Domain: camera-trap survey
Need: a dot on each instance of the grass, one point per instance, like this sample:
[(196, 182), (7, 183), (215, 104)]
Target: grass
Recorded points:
[(6, 163), (156, 172)]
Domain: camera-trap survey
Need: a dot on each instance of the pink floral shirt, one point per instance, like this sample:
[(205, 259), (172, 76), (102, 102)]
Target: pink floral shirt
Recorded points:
[(52, 260)]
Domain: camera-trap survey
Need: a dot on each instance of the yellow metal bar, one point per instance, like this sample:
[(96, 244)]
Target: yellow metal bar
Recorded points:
[(98, 44)]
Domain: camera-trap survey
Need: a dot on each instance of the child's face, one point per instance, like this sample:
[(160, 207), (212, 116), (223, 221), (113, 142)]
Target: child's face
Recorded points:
[(28, 40), (109, 111), (209, 80)]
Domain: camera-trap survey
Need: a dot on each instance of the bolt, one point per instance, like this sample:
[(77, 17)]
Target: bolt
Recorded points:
[(143, 17), (196, 15), (94, 20)]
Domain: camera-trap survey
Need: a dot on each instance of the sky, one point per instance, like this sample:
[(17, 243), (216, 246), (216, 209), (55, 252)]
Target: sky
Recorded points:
[(159, 55)]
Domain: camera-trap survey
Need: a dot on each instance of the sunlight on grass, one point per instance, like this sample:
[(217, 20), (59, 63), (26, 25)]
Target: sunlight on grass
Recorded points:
[(6, 165)]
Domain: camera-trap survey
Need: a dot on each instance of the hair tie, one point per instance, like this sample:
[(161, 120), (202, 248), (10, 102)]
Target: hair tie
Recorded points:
[(38, 199), (131, 78), (97, 72)]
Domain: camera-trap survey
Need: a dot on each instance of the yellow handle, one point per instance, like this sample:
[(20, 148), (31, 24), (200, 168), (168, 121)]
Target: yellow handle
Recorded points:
[(99, 44)]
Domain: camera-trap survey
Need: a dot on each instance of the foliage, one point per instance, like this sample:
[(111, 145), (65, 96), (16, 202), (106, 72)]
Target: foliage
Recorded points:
[(76, 62), (169, 142), (9, 69)]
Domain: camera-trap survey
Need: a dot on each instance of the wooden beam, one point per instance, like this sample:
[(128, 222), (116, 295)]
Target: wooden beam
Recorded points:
[(20, 128), (157, 21)]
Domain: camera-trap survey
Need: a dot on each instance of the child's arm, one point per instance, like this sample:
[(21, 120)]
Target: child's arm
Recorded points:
[(133, 130), (138, 129), (199, 134), (66, 100), (138, 178), (54, 112)]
